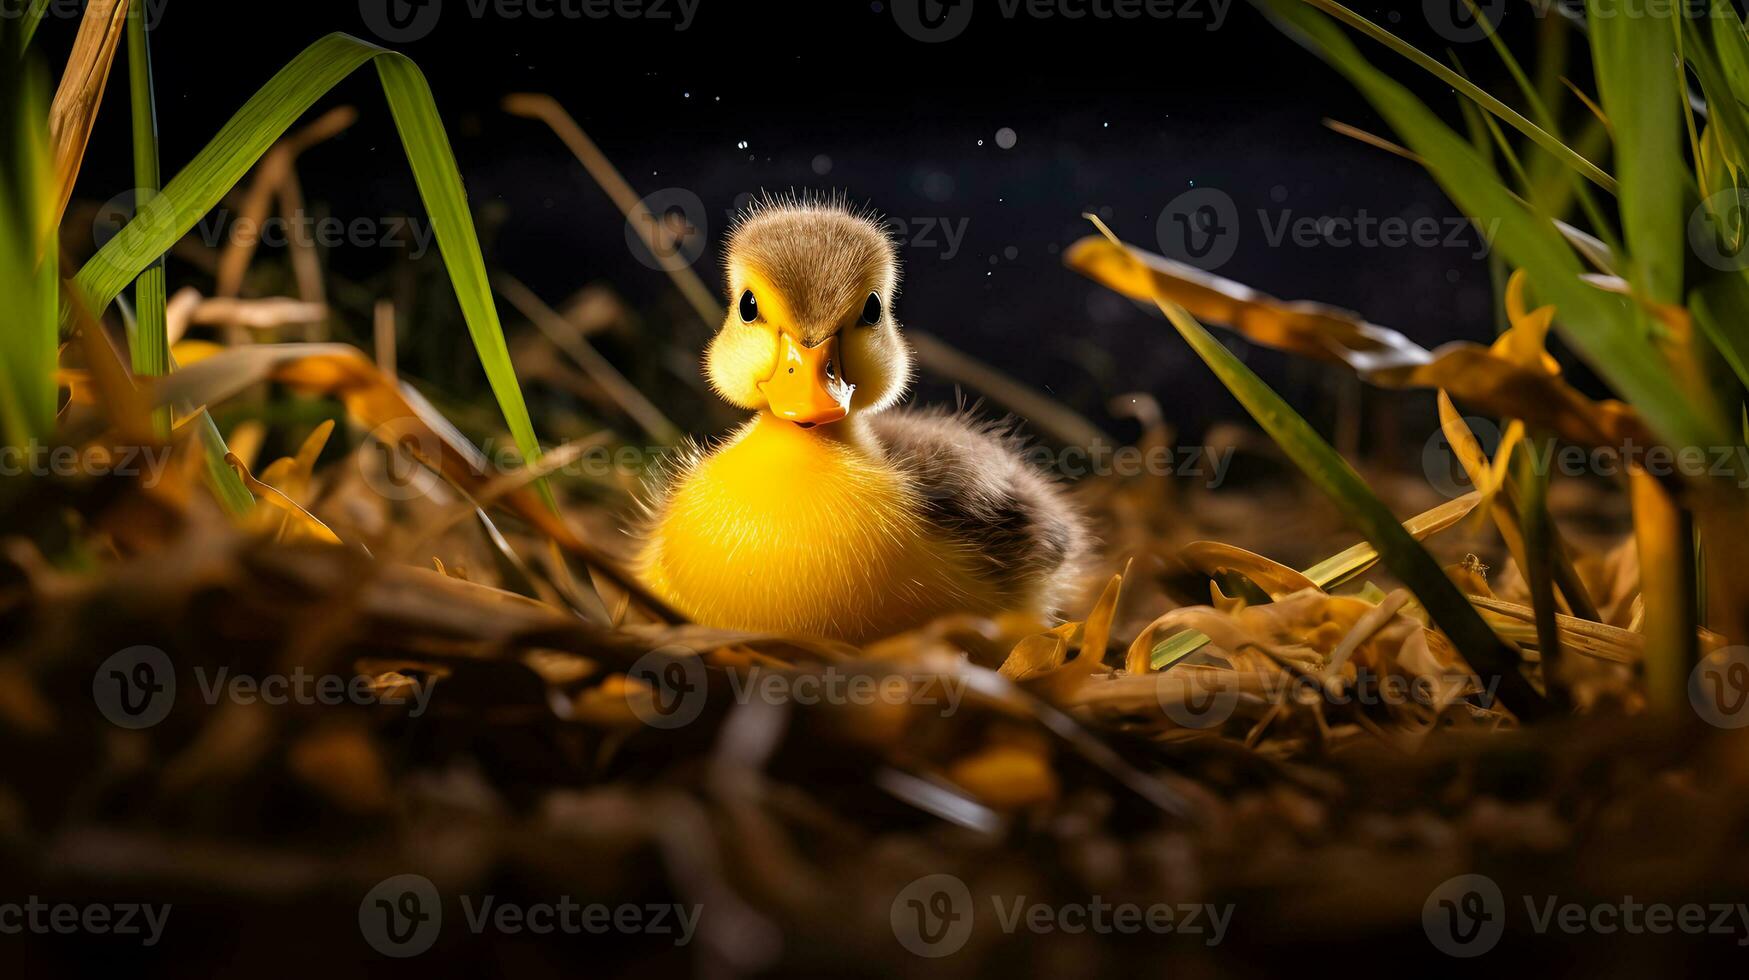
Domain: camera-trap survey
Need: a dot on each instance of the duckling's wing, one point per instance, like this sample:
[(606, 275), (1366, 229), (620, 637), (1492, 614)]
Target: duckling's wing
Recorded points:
[(1016, 528)]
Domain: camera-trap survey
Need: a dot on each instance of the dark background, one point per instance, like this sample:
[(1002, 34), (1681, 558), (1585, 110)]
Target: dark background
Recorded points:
[(1116, 116)]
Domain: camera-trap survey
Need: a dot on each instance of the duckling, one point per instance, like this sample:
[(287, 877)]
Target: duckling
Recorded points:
[(828, 512)]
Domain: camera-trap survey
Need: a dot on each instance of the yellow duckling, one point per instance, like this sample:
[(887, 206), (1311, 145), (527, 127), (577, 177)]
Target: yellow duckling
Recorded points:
[(826, 513)]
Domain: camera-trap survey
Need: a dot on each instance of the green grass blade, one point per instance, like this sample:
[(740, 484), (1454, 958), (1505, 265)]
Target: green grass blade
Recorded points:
[(1551, 197), (1464, 86), (253, 130), (1730, 46), (1719, 63), (1176, 648), (1636, 70), (1334, 571), (33, 16), (1603, 328), (29, 282), (233, 495), (150, 347), (1332, 475), (1721, 311), (1539, 564)]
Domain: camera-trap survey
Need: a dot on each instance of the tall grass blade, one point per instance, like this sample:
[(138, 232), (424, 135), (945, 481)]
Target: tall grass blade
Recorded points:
[(1721, 311), (33, 16), (1664, 534), (150, 346), (29, 279), (1635, 62), (1469, 89), (74, 110), (252, 131), (1337, 480), (1728, 47), (1538, 567), (1603, 328)]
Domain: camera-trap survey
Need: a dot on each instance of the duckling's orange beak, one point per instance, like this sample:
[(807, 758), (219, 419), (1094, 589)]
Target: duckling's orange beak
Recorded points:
[(808, 387)]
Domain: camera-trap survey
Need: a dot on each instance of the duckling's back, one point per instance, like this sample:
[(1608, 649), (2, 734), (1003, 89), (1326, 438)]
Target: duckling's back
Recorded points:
[(1015, 529)]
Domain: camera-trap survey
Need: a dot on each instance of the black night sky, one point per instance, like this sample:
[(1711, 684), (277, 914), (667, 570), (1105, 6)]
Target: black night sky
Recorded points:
[(1119, 115)]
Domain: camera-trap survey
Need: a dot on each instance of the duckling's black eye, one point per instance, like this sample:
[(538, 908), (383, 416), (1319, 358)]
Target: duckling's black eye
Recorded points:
[(749, 307), (871, 310)]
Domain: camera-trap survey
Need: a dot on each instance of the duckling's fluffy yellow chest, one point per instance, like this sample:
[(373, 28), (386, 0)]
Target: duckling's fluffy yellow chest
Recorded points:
[(785, 529)]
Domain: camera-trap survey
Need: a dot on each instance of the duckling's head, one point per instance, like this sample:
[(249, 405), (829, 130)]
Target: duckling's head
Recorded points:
[(810, 334)]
